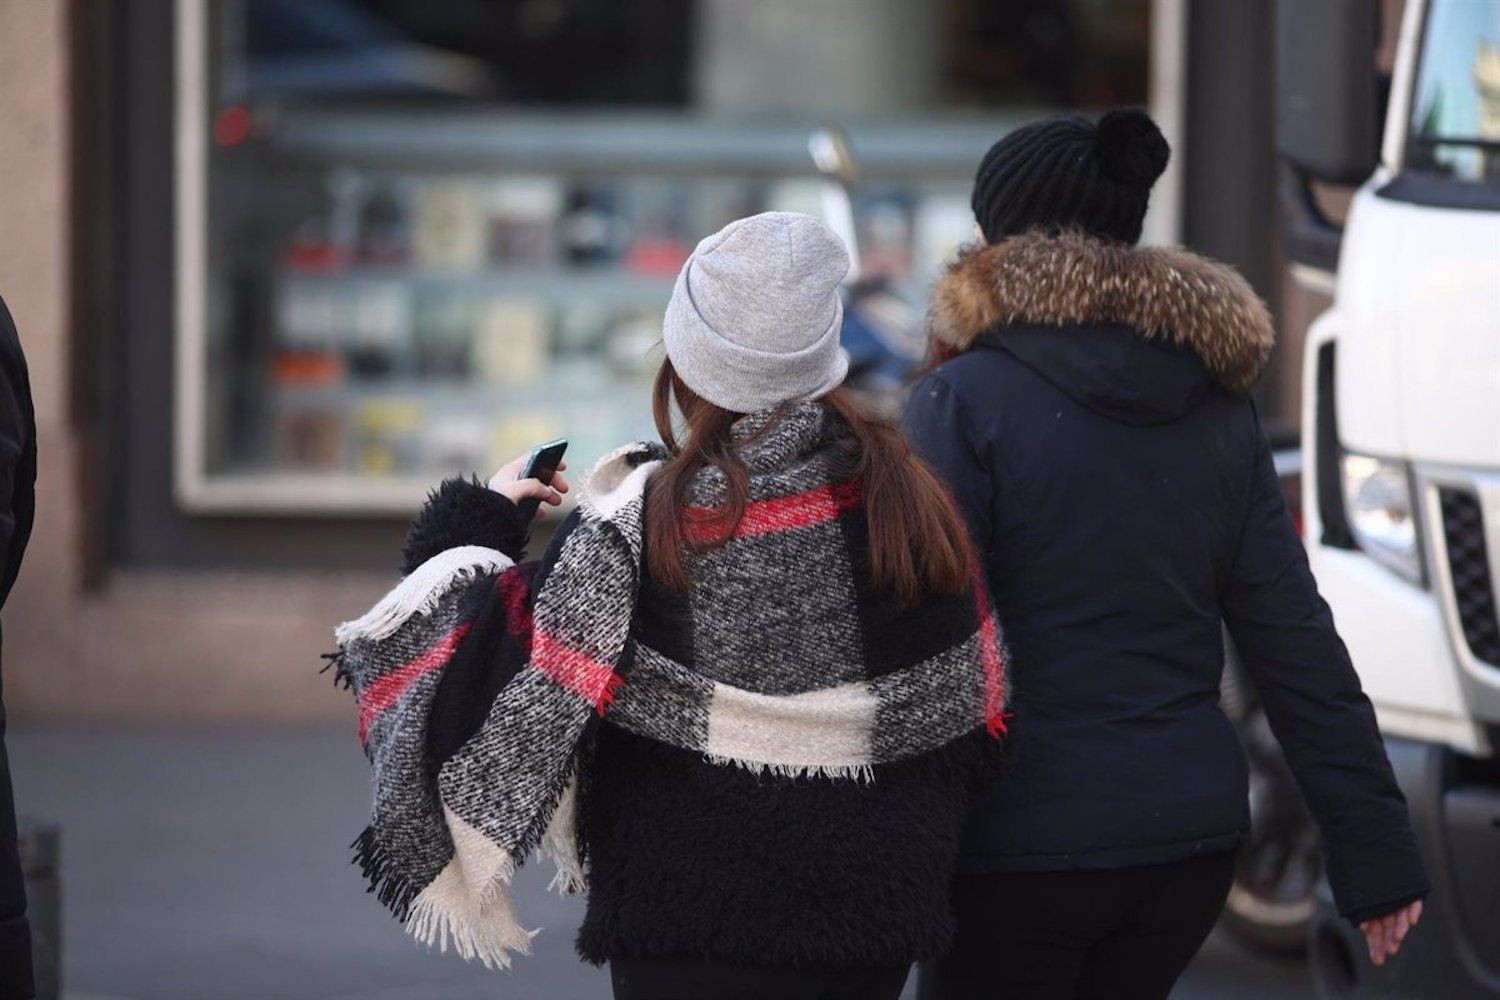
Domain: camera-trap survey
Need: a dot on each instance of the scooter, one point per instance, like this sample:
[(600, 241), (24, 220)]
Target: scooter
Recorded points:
[(883, 332)]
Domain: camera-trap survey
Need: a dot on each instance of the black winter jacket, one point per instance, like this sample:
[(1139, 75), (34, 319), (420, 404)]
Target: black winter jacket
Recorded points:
[(1095, 432), (17, 503)]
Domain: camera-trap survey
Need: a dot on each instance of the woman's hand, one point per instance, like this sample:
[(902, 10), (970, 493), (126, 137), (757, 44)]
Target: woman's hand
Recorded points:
[(506, 483), (1385, 934)]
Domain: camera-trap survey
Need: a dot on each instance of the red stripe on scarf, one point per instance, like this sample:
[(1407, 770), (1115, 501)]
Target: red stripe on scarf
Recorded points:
[(992, 660), (514, 586), (385, 690), (764, 517), (575, 670)]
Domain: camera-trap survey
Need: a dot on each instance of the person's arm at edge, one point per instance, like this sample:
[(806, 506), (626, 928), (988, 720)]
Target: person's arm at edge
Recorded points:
[(17, 452)]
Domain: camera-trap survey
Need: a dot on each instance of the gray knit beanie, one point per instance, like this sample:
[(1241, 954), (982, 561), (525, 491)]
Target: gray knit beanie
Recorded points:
[(754, 318)]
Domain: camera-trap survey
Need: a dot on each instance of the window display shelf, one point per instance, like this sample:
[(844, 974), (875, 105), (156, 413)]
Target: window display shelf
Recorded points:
[(577, 284), (632, 143)]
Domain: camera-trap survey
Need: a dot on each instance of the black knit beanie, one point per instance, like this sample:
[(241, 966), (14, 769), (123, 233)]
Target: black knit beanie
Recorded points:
[(1070, 173)]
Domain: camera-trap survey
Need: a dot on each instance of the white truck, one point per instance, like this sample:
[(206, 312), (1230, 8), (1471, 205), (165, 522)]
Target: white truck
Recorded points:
[(1401, 436)]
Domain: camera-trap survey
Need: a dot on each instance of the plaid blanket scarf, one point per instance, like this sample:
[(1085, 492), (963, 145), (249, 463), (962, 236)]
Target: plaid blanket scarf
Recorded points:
[(531, 655)]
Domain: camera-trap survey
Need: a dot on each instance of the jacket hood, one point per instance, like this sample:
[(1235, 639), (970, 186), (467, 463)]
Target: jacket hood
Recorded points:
[(1110, 369), (1145, 317)]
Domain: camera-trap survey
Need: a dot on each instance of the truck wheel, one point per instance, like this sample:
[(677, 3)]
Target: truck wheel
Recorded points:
[(1273, 914), (1274, 897)]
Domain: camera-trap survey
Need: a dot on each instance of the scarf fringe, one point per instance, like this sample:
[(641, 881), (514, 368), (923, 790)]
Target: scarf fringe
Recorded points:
[(420, 592), (382, 871), (443, 914), (862, 773), (560, 843), (342, 676)]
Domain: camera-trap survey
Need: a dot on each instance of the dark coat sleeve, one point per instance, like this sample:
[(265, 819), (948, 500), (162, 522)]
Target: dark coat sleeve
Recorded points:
[(464, 512), (17, 492), (17, 455), (941, 434), (1284, 633)]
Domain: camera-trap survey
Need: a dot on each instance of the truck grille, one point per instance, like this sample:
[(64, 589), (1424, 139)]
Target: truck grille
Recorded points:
[(1468, 561)]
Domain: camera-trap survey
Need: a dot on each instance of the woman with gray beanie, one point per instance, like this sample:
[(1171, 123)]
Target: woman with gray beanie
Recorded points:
[(1088, 407), (745, 698)]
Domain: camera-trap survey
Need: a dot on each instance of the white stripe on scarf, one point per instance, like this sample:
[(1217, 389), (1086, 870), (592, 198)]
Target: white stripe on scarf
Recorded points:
[(420, 591), (825, 732)]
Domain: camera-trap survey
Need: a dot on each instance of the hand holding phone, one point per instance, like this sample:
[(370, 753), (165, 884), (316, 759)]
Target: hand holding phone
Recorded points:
[(533, 479)]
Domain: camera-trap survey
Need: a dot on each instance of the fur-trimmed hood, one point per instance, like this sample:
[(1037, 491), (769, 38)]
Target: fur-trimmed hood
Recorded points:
[(1165, 295)]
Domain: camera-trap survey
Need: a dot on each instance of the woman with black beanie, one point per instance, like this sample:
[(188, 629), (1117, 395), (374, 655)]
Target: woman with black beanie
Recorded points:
[(1087, 404)]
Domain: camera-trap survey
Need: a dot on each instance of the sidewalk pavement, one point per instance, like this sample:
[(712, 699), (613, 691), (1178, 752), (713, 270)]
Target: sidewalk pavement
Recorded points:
[(214, 866)]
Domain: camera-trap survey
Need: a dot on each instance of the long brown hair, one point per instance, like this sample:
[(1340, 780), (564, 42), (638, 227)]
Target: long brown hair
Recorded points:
[(917, 543)]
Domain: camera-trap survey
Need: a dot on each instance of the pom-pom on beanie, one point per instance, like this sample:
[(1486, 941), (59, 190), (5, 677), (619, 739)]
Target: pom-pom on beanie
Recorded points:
[(1071, 173)]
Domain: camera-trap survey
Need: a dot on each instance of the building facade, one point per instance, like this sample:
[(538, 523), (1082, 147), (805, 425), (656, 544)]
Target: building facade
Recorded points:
[(275, 273)]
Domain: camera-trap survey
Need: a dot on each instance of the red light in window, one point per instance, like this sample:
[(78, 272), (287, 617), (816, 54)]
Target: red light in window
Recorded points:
[(232, 125)]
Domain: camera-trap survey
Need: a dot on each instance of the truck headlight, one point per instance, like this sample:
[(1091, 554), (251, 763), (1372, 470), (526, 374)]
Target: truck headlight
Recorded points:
[(1378, 505)]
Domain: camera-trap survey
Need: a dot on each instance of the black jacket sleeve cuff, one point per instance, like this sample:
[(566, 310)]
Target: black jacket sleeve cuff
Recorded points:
[(464, 512), (1360, 914)]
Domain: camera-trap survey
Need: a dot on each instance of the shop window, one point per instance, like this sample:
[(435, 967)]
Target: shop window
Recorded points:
[(417, 237)]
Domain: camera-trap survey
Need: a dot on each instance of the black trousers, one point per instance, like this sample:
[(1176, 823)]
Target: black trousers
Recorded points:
[(672, 979), (1076, 935)]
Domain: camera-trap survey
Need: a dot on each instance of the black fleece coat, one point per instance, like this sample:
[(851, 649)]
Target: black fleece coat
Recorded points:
[(17, 503), (1095, 432)]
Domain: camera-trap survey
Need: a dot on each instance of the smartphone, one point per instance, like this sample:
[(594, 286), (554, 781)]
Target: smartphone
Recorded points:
[(541, 465)]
